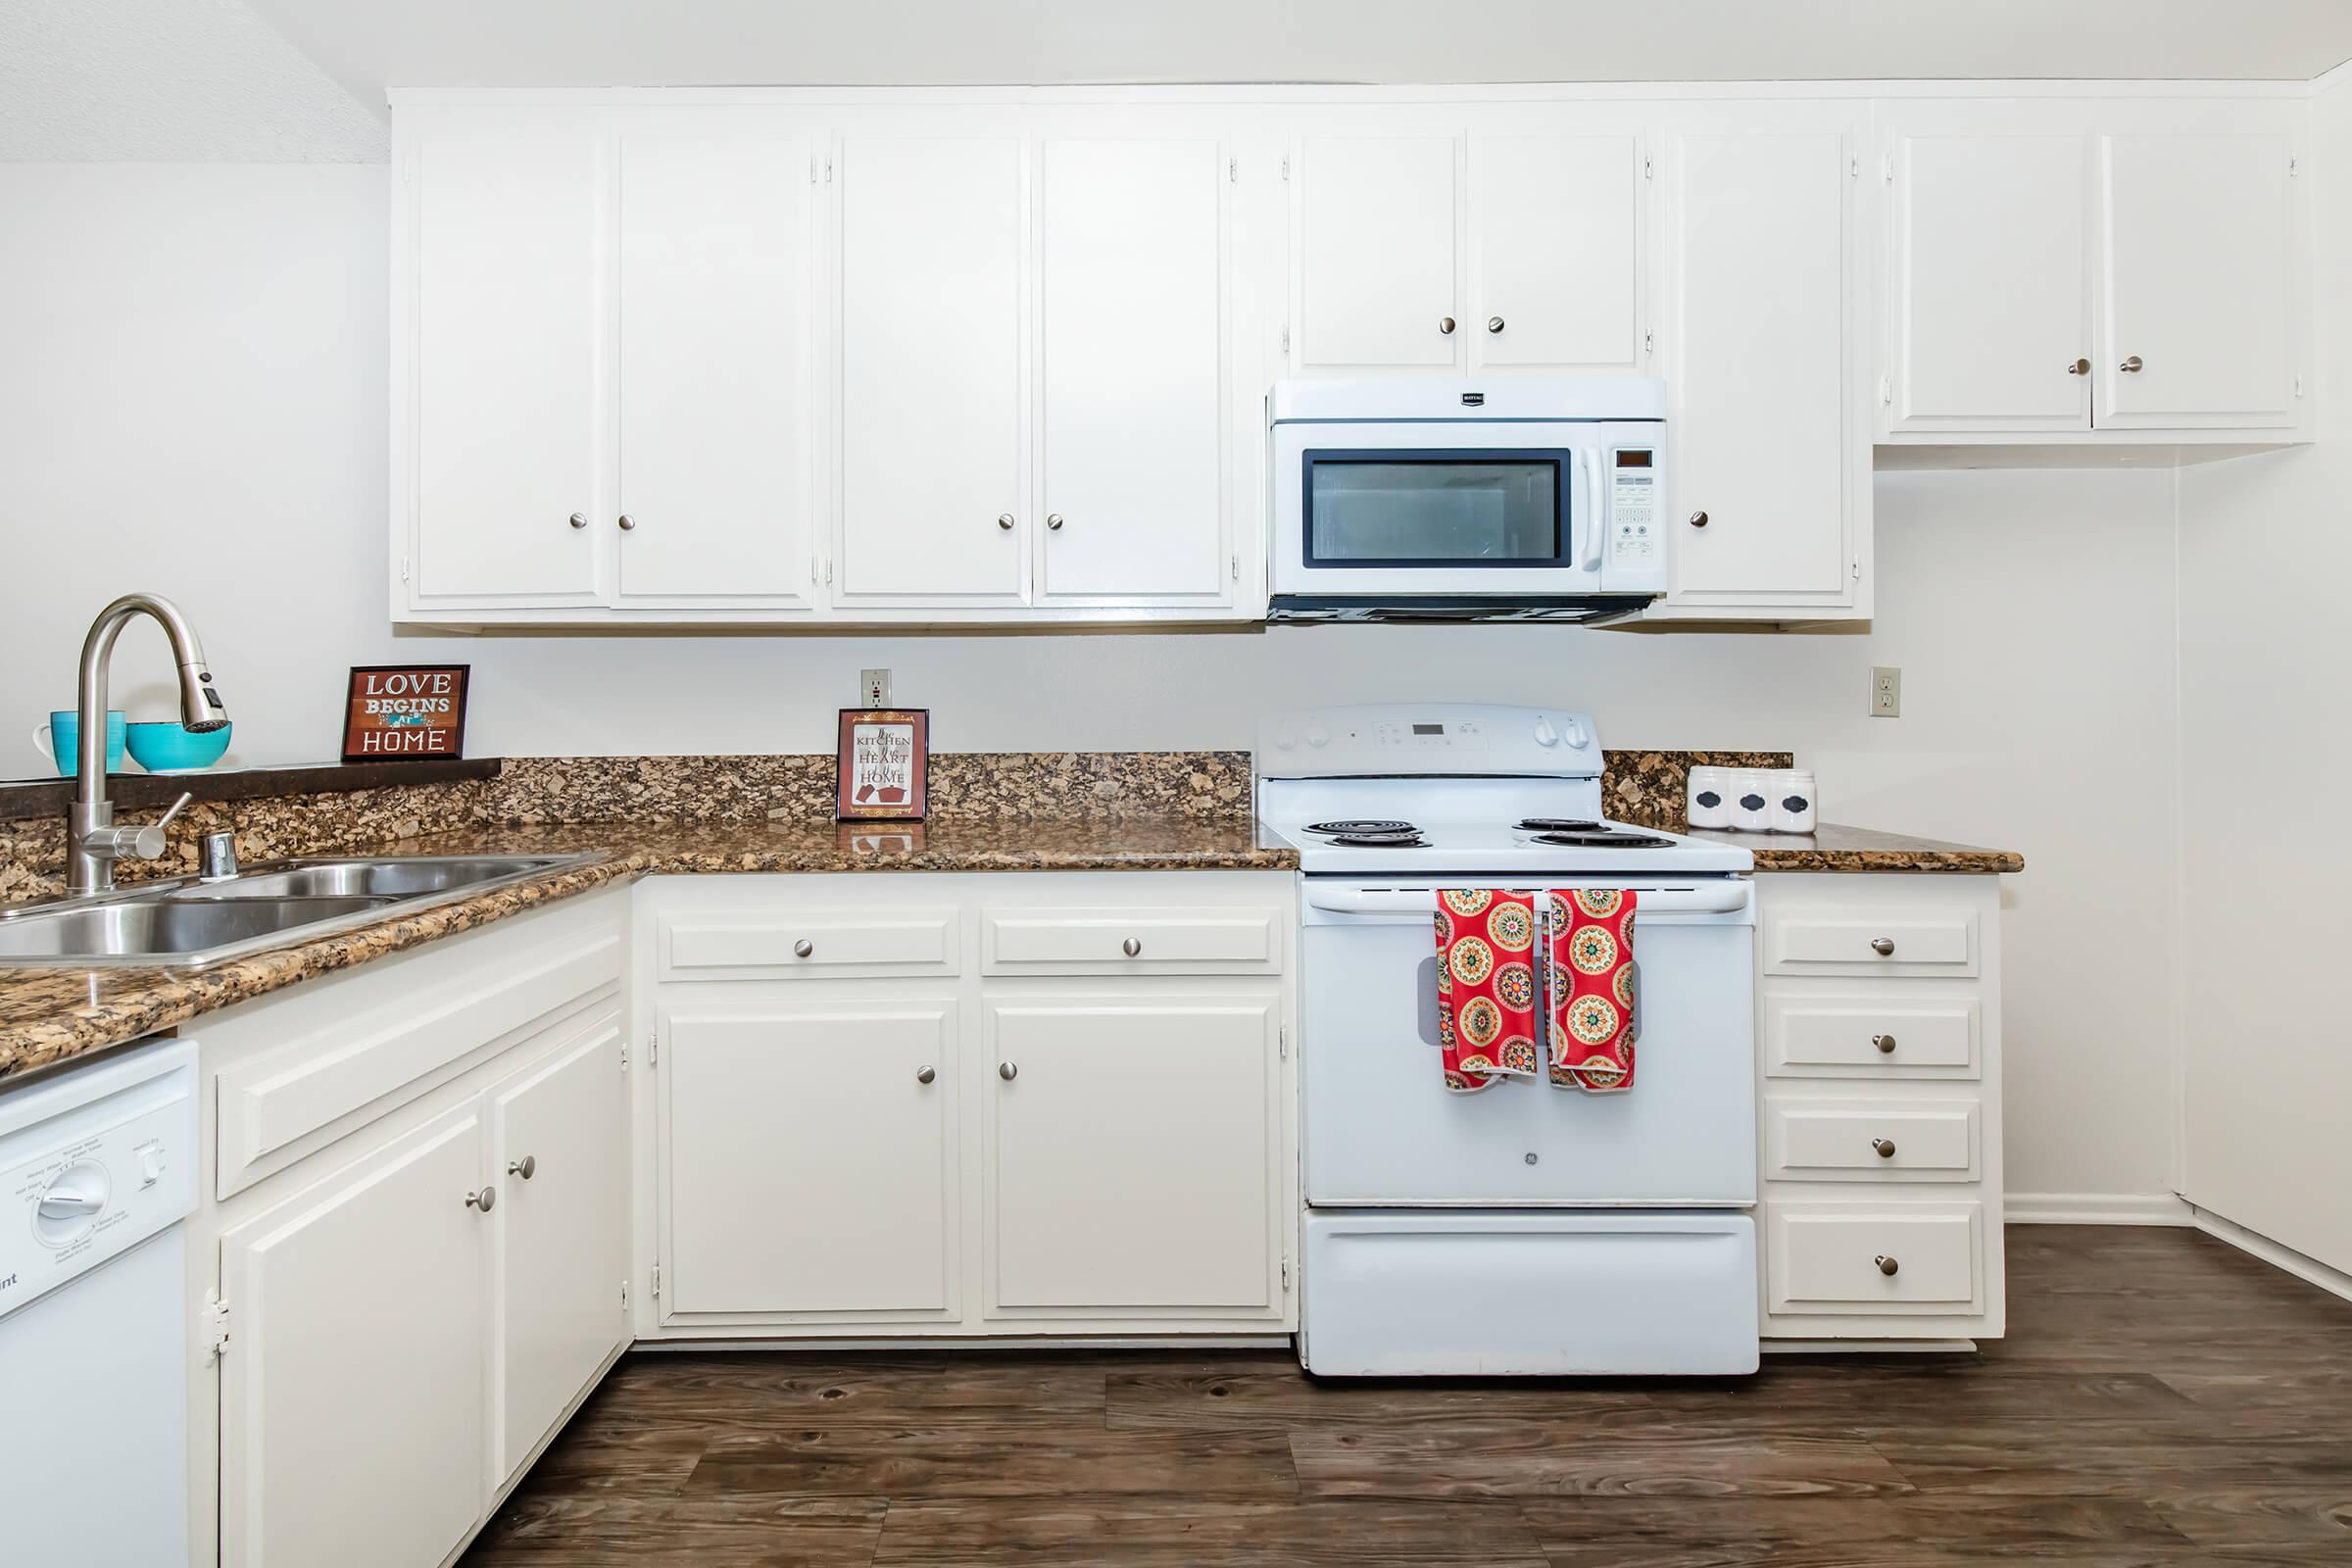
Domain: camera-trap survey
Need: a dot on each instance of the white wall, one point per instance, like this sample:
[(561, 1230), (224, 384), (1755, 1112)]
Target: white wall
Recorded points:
[(193, 401), (2266, 648)]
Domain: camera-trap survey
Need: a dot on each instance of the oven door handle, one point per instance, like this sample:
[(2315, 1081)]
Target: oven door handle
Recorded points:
[(1732, 896)]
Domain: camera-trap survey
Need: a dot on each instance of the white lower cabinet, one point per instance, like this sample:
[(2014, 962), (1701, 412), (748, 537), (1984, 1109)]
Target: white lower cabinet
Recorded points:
[(811, 1154), (351, 1401), (1130, 1151), (1075, 1145)]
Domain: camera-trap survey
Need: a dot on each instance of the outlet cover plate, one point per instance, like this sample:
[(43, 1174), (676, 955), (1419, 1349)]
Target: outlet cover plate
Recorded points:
[(1885, 691), (873, 688)]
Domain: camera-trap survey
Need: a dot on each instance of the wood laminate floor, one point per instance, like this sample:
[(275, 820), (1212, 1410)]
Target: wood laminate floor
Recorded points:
[(2161, 1399)]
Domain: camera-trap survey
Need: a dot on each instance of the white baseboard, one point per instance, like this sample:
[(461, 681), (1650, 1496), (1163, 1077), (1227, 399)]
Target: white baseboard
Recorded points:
[(2096, 1208), (2333, 1280)]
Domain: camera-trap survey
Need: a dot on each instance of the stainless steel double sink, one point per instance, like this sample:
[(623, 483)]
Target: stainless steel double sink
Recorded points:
[(189, 923)]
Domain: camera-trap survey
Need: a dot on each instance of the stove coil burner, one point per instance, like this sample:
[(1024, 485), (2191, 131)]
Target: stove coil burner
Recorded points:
[(1409, 839), (1606, 839), (1366, 827), (1557, 825)]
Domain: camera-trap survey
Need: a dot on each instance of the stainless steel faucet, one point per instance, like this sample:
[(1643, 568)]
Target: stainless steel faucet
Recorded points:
[(93, 844)]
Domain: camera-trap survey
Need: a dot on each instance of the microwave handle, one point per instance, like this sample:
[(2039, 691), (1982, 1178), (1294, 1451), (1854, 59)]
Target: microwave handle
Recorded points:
[(1592, 526)]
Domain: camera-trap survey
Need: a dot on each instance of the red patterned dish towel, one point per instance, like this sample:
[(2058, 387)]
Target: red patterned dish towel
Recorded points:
[(1592, 992), (1487, 986)]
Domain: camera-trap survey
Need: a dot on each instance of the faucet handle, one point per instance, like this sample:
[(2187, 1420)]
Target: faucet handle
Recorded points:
[(123, 842), (164, 820)]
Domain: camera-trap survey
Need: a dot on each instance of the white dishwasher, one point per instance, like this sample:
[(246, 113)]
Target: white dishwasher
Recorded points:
[(97, 1171)]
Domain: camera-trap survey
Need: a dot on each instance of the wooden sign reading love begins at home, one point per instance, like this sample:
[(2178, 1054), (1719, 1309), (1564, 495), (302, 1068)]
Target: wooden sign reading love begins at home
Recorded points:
[(395, 712)]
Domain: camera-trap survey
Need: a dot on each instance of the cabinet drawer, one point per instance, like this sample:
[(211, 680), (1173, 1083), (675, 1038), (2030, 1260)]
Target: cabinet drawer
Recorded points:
[(1916, 941), (1829, 1259), (836, 943), (1858, 1140), (1865, 1035), (1148, 941)]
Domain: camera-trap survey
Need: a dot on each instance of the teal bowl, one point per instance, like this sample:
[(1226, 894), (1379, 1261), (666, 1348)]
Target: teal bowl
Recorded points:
[(166, 747)]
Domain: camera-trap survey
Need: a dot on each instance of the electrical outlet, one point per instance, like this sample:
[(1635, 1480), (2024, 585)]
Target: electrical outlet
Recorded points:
[(873, 688), (1885, 691)]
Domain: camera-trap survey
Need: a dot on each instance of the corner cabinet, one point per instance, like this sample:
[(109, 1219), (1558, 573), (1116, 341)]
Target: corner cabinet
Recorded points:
[(968, 1105)]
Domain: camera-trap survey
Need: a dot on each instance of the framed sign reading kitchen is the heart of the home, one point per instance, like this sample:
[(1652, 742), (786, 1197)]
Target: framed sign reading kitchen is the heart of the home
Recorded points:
[(882, 769)]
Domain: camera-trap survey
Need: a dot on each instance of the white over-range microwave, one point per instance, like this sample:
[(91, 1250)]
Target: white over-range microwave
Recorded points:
[(1508, 500)]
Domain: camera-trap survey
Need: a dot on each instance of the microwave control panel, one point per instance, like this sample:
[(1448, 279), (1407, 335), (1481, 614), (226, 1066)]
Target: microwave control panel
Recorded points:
[(1634, 522)]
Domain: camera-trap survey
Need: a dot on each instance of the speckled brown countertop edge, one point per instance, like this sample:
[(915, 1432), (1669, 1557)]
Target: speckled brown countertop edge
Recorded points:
[(1835, 848)]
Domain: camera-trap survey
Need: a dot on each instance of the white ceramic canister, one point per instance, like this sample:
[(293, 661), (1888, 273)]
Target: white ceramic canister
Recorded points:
[(1793, 806), (1710, 797), (1751, 799)]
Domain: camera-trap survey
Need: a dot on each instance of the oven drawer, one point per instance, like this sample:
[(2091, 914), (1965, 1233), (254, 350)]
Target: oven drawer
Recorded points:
[(1157, 940), (841, 944), (1836, 1258), (1919, 940), (1393, 1293), (1865, 1032), (1866, 1141)]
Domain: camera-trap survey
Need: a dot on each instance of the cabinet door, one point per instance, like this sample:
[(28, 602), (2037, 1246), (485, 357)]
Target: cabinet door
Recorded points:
[(506, 373), (811, 1157), (2200, 279), (715, 299), (1133, 1161), (352, 1395), (931, 456), (558, 1161), (1555, 252), (1132, 294), (1759, 347), (1990, 315), (1378, 226)]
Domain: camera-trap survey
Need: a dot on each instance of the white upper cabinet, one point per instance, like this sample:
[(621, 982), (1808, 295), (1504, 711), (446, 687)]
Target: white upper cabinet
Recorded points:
[(502, 470), (1379, 238), (2093, 270), (1990, 282), (1132, 287), (716, 482), (934, 499), (1758, 342), (2200, 236), (1555, 253)]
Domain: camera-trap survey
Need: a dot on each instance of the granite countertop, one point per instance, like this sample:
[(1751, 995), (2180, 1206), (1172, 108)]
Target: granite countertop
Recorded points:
[(49, 1016), (1832, 848)]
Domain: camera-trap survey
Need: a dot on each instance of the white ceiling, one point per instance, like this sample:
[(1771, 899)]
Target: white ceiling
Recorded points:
[(169, 82), (371, 44)]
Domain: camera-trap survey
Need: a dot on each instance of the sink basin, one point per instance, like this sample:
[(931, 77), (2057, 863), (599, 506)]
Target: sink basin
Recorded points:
[(187, 923)]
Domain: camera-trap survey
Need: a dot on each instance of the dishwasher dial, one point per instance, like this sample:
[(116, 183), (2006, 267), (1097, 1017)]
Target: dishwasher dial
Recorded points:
[(69, 1206)]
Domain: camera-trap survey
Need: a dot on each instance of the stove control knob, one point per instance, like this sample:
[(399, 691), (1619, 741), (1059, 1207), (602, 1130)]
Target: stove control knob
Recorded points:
[(1285, 738), (1317, 736), (1545, 735), (1576, 732)]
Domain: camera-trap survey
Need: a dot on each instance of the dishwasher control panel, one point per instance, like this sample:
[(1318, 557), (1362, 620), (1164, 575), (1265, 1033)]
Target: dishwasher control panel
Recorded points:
[(93, 1163)]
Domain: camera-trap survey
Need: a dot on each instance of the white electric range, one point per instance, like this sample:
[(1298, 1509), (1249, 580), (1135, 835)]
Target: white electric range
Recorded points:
[(1524, 1229)]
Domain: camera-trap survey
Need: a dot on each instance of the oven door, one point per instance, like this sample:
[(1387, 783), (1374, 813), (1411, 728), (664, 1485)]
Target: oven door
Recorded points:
[(1469, 508), (1381, 1129)]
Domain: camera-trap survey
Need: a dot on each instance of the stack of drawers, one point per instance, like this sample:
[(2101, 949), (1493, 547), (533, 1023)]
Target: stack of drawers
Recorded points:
[(1880, 1034)]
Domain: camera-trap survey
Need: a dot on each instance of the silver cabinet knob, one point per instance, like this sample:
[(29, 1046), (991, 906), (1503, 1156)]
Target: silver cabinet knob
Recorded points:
[(1885, 1147), (486, 1200), (1698, 520), (2078, 368), (1054, 520), (1008, 1071), (924, 1075), (1004, 521), (580, 519), (1446, 326), (627, 522), (1887, 1265), (1884, 947), (1884, 1043), (803, 947), (2129, 366), (1494, 323), (526, 1168), (1133, 946)]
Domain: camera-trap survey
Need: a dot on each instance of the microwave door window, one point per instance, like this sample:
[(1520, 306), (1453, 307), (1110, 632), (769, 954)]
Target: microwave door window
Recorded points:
[(1391, 510)]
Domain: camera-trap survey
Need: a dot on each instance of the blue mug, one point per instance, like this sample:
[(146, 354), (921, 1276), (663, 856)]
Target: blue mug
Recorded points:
[(161, 745), (61, 738)]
